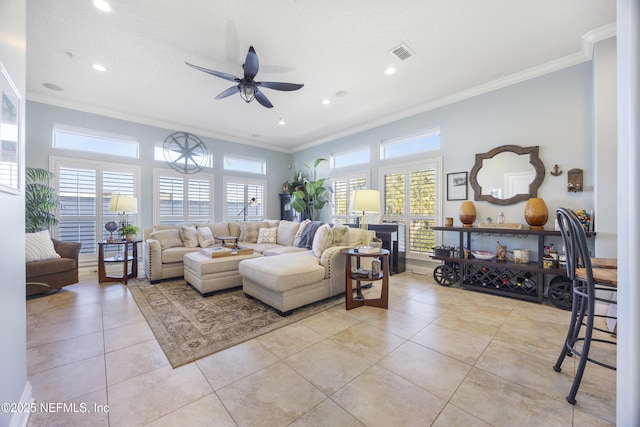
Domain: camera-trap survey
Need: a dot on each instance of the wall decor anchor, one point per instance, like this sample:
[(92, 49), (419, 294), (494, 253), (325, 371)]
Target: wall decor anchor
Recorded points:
[(574, 177), (555, 171)]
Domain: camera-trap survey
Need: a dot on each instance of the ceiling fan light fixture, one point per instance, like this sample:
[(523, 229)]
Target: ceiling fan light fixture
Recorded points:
[(247, 92), (281, 122)]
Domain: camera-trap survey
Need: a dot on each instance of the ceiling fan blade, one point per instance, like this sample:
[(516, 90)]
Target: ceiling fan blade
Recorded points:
[(280, 86), (251, 64), (262, 99), (215, 73), (232, 90)]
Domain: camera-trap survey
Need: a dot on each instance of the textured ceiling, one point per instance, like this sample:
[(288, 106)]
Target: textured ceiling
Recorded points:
[(462, 47)]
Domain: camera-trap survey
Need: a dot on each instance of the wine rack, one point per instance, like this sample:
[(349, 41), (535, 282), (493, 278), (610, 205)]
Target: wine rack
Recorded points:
[(522, 281)]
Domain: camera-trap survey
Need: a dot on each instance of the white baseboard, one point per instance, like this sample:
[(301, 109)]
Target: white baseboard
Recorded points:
[(21, 419)]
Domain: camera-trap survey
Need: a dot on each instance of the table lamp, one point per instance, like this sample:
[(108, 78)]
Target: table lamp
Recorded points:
[(123, 205), (366, 201)]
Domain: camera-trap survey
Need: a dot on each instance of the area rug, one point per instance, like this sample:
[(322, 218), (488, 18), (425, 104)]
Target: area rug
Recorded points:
[(189, 327)]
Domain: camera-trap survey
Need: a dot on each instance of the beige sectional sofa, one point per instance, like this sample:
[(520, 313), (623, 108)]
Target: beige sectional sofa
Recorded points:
[(286, 276)]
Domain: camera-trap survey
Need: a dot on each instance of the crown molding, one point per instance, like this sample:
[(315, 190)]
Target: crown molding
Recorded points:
[(586, 54), (149, 121)]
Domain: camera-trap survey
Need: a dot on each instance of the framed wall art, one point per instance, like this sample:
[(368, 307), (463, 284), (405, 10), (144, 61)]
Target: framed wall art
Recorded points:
[(10, 137), (457, 186)]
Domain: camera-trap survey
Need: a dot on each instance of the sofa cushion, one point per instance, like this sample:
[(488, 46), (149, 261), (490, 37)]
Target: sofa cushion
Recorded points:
[(172, 255), (205, 238), (300, 269), (340, 234), (280, 250), (189, 236), (267, 235), (249, 231), (169, 238), (287, 232), (39, 247), (303, 224), (49, 267), (322, 240)]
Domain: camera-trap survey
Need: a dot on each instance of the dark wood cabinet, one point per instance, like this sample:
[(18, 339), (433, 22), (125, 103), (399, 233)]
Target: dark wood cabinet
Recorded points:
[(286, 211)]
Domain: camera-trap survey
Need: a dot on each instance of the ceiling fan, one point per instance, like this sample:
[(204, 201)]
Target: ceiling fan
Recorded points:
[(249, 89)]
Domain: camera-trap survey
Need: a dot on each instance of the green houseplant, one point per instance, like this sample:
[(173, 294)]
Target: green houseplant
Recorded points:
[(41, 200), (129, 230), (308, 196)]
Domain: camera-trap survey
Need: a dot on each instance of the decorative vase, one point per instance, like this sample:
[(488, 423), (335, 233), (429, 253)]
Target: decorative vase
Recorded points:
[(536, 213), (130, 237), (467, 213)]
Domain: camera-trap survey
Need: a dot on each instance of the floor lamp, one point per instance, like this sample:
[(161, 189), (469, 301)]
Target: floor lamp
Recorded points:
[(366, 201)]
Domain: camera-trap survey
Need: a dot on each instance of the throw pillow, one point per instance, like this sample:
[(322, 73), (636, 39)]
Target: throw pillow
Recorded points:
[(169, 238), (322, 240), (287, 232), (205, 238), (38, 246), (340, 235), (249, 231), (267, 235), (189, 236), (296, 240)]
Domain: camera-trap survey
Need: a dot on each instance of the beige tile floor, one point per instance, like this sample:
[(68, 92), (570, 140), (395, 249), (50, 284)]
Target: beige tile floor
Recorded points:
[(439, 356)]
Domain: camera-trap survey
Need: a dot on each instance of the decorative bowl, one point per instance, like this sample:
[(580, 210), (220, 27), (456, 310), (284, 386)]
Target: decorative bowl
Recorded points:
[(483, 255)]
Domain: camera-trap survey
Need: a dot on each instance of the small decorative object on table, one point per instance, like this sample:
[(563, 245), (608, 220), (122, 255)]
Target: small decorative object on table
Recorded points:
[(501, 252), (467, 213), (129, 231), (481, 255), (536, 213), (586, 219)]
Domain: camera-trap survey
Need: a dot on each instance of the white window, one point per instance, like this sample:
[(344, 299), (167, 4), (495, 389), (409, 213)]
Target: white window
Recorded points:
[(245, 164), (182, 199), (93, 141), (85, 188), (349, 158), (343, 188), (158, 155), (411, 195), (244, 199), (410, 145)]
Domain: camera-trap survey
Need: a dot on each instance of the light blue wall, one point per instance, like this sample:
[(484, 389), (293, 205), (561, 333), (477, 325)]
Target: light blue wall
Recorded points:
[(13, 360), (554, 111), (42, 117)]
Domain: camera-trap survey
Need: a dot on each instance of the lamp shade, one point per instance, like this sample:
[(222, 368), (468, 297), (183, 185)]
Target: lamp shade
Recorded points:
[(127, 204), (366, 201)]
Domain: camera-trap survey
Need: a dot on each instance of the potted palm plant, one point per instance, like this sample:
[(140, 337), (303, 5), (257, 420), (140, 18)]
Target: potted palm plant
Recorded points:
[(310, 196), (41, 200)]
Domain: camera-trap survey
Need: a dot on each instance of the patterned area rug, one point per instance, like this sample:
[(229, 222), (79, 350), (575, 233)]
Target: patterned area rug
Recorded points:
[(189, 327)]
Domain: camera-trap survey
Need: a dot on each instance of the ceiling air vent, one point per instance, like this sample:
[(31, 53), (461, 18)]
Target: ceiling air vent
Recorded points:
[(402, 52)]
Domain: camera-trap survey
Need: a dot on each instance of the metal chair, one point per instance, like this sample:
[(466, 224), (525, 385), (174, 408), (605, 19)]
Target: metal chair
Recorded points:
[(586, 291)]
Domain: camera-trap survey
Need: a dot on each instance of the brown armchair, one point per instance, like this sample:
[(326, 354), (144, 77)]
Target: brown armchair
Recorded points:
[(57, 272)]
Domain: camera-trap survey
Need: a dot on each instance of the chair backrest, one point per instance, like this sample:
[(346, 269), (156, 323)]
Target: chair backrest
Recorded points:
[(574, 238)]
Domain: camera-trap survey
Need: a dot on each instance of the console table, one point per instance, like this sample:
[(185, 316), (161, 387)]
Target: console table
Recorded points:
[(522, 281), (123, 259)]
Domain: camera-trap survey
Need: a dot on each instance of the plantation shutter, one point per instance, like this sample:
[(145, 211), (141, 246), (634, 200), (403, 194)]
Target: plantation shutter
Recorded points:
[(343, 189), (238, 194), (77, 213), (171, 200), (199, 201)]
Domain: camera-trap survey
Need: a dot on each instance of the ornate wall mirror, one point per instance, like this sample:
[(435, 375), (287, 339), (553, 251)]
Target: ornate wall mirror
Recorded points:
[(507, 175)]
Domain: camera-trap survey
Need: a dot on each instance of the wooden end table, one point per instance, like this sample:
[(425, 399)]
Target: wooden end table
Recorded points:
[(359, 300), (124, 259)]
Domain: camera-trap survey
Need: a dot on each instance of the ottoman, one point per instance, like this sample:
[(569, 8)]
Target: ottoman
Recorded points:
[(208, 275)]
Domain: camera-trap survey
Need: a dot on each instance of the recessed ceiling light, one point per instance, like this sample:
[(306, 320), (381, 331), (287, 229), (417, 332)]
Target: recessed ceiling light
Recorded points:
[(281, 122), (342, 93), (326, 102), (102, 5), (390, 70), (51, 86), (98, 67)]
